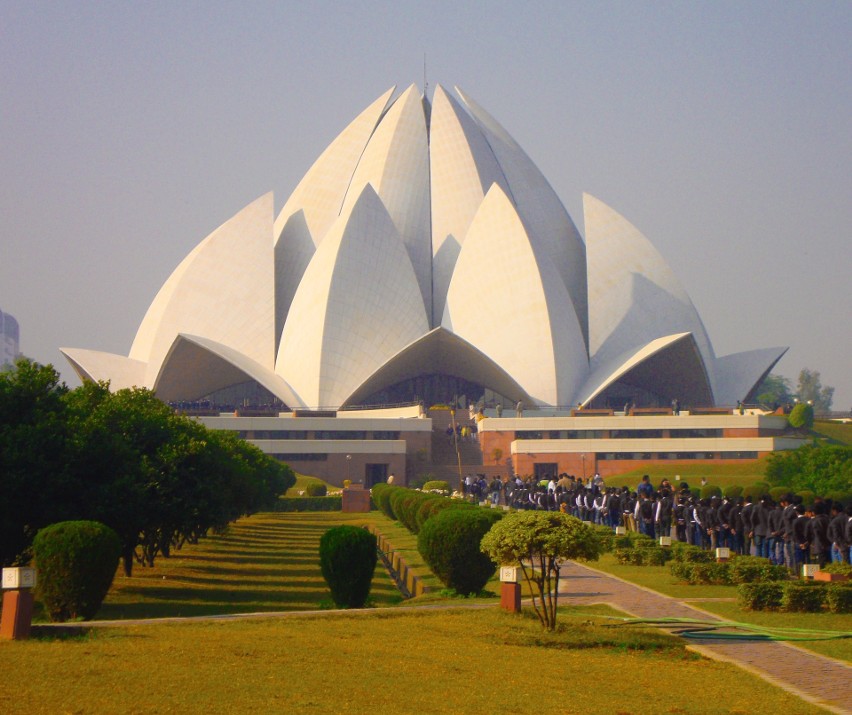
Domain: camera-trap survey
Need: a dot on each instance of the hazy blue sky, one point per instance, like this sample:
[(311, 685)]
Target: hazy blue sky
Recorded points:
[(722, 130)]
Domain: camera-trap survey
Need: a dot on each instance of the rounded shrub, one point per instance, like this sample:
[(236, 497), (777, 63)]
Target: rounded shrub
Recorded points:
[(397, 494), (384, 500), (754, 569), (764, 596), (801, 416), (316, 489), (449, 544), (429, 507), (348, 559), (756, 490), (807, 496), (408, 505), (778, 492), (733, 491), (76, 563), (708, 491)]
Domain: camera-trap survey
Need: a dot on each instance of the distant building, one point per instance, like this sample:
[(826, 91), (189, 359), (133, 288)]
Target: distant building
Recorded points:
[(9, 339)]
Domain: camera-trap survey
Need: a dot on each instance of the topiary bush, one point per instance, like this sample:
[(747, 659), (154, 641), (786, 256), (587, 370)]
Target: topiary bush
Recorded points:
[(688, 553), (801, 416), (76, 563), (760, 596), (348, 559), (803, 596), (756, 490), (838, 567), (778, 492), (838, 597), (733, 491), (807, 496), (384, 500), (397, 494), (708, 491), (449, 544), (754, 569), (316, 489), (430, 507)]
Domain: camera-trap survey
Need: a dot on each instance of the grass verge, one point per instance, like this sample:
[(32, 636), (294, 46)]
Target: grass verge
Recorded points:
[(386, 661), (660, 579)]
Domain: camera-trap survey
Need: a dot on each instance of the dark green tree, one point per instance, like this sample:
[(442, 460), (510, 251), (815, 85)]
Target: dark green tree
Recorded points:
[(35, 486), (774, 390)]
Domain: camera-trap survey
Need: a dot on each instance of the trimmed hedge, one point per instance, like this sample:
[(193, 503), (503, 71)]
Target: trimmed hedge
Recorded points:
[(348, 558), (838, 597), (76, 563), (705, 574), (755, 569), (687, 553), (449, 544), (733, 491), (286, 504), (643, 556), (756, 490), (803, 596), (760, 596), (382, 495), (708, 491)]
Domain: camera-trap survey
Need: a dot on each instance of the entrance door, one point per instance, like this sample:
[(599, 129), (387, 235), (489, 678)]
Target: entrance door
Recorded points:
[(545, 470), (375, 474)]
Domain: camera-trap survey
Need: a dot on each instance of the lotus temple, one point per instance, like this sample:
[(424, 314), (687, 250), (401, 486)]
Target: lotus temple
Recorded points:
[(422, 260)]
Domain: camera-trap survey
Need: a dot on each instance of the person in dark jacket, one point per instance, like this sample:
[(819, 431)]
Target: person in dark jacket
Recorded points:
[(776, 535), (760, 527), (836, 527), (801, 545), (818, 535)]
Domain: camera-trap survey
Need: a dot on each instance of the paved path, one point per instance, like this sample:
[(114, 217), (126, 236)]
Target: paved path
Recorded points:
[(823, 681)]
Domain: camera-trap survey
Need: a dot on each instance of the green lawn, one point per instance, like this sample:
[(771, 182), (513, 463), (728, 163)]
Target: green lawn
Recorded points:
[(268, 562), (380, 661), (722, 475), (833, 432), (659, 578)]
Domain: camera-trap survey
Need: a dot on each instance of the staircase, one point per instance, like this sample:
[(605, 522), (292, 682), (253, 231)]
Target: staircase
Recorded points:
[(444, 464)]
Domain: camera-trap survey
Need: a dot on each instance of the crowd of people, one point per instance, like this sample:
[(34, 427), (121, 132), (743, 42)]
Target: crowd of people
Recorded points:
[(788, 532)]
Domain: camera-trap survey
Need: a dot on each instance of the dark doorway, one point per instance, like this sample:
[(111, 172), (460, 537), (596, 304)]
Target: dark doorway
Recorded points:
[(375, 474), (545, 470)]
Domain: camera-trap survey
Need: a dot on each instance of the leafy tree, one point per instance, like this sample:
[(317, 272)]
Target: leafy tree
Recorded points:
[(774, 390), (538, 542), (811, 390), (801, 416), (35, 488), (815, 467)]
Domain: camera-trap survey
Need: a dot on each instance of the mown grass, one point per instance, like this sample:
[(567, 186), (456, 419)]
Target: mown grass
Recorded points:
[(383, 661), (723, 475), (660, 579), (833, 432), (268, 562)]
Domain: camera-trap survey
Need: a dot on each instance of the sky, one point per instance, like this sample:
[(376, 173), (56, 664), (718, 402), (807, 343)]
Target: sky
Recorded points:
[(723, 131)]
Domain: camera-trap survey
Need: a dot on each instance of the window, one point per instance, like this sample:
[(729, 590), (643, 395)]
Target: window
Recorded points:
[(341, 434), (385, 435), (301, 457), (691, 433)]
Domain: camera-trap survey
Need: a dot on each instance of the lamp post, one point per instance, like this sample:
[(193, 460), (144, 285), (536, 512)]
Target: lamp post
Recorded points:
[(348, 464), (583, 457)]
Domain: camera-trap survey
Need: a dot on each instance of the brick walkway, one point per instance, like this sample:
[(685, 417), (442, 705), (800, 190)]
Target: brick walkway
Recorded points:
[(823, 681)]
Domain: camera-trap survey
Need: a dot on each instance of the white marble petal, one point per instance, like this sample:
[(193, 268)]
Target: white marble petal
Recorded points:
[(357, 306), (737, 375), (633, 294), (545, 218), (223, 290), (396, 163), (510, 303), (195, 367), (462, 170), (95, 366), (320, 193)]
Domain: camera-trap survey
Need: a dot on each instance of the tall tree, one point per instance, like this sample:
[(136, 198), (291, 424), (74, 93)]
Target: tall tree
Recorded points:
[(34, 482), (811, 389), (774, 390)]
